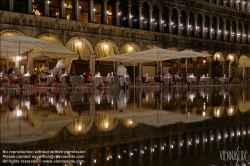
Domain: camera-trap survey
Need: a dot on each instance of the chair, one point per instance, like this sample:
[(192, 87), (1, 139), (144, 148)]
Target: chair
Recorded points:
[(104, 81), (33, 80), (202, 81), (175, 81), (196, 81), (13, 80), (138, 80), (86, 80)]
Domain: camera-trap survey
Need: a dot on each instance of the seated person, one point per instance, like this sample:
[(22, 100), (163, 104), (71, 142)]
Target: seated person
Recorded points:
[(43, 77), (87, 76), (63, 72), (177, 76)]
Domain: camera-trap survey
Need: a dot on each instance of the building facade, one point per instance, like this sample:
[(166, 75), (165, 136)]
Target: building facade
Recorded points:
[(98, 28)]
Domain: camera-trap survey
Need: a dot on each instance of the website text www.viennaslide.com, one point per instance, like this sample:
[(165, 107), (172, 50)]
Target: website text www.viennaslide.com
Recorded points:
[(43, 156)]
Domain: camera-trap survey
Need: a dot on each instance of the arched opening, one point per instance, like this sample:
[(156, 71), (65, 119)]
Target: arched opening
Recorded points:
[(234, 35), (97, 11), (227, 3), (135, 14), (145, 16), (150, 46), (207, 24), (238, 4), (214, 28), (230, 69), (4, 5), (220, 33), (155, 19), (129, 47), (165, 20), (183, 25), (54, 9), (227, 31), (239, 35), (219, 2), (21, 6), (123, 8), (106, 123), (218, 59), (199, 25), (110, 12), (174, 22)]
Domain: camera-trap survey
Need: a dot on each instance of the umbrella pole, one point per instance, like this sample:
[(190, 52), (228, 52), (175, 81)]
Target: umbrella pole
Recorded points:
[(7, 66), (186, 63), (134, 72)]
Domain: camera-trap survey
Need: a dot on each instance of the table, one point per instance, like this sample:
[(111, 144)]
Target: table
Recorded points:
[(191, 79), (76, 80), (124, 81), (113, 79), (97, 80), (207, 80), (62, 79), (25, 79), (167, 81), (50, 79), (224, 79)]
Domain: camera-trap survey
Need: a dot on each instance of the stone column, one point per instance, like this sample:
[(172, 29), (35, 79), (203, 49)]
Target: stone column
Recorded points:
[(187, 26), (11, 5), (217, 29), (195, 25), (104, 12), (30, 8), (243, 5), (231, 31), (160, 21), (140, 18), (247, 5), (170, 22), (203, 28), (62, 9), (92, 64), (223, 68), (231, 3), (179, 66), (151, 22), (210, 28), (237, 32), (77, 11), (46, 8), (224, 29), (117, 13), (129, 15), (179, 25), (243, 35), (91, 11), (210, 68)]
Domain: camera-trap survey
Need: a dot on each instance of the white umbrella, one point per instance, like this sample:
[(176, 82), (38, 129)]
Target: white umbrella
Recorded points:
[(16, 45)]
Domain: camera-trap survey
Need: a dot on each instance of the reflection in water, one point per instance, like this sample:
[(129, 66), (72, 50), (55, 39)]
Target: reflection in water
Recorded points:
[(141, 126)]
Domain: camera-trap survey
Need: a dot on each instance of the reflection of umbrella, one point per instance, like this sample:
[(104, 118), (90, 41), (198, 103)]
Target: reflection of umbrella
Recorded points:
[(15, 130)]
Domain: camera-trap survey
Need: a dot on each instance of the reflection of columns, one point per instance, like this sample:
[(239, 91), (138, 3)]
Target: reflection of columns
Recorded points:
[(91, 157), (140, 18), (203, 142), (11, 5), (91, 11), (210, 28), (62, 9), (187, 25), (243, 35), (151, 19), (116, 154), (141, 151), (117, 13), (129, 16), (104, 12), (179, 25), (151, 151), (195, 25), (46, 8), (30, 7), (160, 21), (195, 63), (77, 10), (104, 156), (130, 151)]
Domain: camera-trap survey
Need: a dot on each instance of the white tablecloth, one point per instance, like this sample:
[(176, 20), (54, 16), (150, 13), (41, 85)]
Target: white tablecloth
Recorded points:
[(25, 79), (124, 81), (97, 81), (114, 79), (167, 80), (50, 79), (76, 80), (224, 79), (207, 80), (191, 79)]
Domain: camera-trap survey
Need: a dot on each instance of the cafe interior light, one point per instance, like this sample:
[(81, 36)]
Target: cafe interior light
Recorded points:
[(18, 58)]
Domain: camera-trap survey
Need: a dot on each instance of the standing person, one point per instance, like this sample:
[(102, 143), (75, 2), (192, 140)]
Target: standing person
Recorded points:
[(46, 69), (121, 70)]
